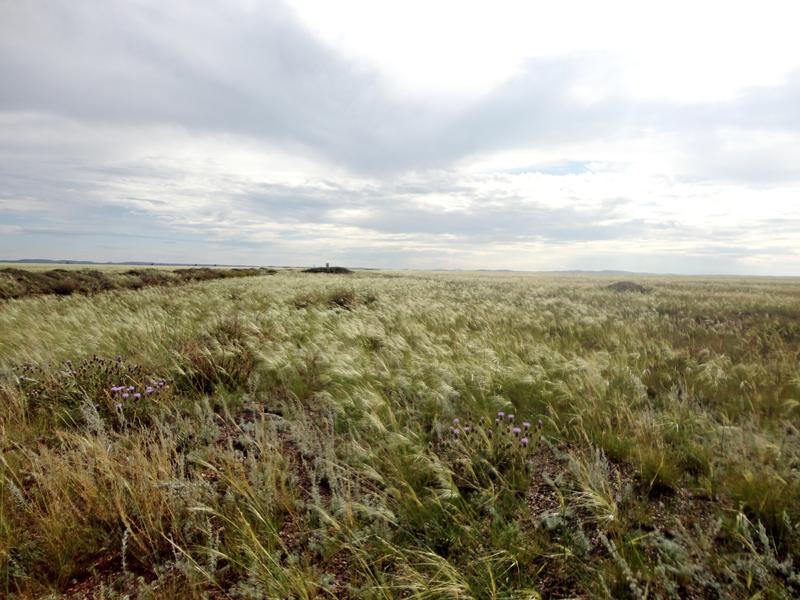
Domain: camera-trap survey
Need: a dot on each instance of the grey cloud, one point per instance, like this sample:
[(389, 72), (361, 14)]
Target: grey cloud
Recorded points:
[(755, 161), (208, 67), (212, 67), (216, 67), (489, 219), (77, 196), (771, 107)]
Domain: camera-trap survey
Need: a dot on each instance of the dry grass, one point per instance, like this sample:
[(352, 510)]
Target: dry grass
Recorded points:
[(299, 442)]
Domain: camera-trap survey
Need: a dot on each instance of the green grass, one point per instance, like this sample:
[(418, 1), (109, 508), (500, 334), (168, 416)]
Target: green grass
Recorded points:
[(301, 444)]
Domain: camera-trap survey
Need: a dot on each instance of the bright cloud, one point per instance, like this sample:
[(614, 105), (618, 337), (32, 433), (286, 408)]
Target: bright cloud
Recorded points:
[(444, 135)]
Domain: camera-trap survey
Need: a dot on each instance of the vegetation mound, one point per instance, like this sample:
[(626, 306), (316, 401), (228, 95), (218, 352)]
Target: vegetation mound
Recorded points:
[(338, 298), (18, 283), (336, 270), (628, 287)]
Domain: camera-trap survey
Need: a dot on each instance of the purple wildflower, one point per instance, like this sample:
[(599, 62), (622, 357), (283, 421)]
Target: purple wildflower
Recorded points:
[(516, 431), (456, 431), (456, 421), (467, 429), (125, 395), (523, 442), (137, 396), (150, 389), (526, 425), (501, 414), (511, 417), (130, 388)]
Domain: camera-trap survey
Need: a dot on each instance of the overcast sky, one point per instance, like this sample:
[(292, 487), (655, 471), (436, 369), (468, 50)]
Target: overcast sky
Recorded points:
[(414, 134)]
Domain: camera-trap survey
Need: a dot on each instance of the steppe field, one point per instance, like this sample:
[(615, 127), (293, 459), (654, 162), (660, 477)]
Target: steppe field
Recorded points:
[(401, 435)]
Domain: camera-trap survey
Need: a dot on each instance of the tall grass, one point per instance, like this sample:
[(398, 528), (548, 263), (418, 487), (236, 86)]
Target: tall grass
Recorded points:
[(300, 439)]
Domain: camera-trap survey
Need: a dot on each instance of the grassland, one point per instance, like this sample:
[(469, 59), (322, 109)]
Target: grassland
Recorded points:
[(314, 435)]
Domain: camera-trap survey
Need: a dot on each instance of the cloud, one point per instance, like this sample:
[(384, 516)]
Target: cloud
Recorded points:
[(228, 129), (256, 71), (214, 68)]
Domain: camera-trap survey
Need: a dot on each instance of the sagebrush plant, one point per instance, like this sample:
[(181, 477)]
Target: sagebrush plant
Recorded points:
[(327, 435)]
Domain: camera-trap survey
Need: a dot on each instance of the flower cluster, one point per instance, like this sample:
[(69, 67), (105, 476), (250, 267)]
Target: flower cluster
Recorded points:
[(503, 425), (65, 386), (126, 392)]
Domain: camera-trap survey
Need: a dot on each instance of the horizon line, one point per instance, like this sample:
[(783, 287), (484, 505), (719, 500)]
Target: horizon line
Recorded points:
[(141, 263)]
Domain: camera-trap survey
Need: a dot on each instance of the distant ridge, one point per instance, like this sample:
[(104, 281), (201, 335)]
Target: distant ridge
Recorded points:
[(143, 263), (136, 263)]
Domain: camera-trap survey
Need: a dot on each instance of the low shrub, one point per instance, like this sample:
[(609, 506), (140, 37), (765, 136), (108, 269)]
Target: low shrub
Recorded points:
[(18, 283)]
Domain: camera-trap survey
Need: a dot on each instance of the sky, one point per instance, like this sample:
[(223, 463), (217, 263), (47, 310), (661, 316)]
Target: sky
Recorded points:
[(656, 137)]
